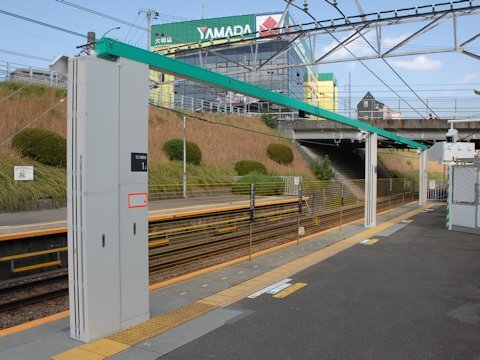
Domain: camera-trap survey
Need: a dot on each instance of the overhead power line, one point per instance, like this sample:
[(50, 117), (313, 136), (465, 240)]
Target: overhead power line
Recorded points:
[(42, 23), (335, 5), (98, 13), (361, 62), (133, 25), (33, 121), (24, 55)]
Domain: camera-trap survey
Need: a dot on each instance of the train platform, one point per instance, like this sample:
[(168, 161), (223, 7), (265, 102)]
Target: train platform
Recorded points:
[(38, 220), (405, 289)]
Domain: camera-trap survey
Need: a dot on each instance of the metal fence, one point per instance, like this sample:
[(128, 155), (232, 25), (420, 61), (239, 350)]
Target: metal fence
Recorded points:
[(465, 184), (437, 190), (10, 71)]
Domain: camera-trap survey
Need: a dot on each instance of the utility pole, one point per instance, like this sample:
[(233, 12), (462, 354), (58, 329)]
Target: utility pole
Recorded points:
[(203, 9), (349, 95), (151, 14)]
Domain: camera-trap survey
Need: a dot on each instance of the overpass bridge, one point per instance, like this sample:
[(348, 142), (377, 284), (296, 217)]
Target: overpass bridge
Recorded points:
[(424, 131)]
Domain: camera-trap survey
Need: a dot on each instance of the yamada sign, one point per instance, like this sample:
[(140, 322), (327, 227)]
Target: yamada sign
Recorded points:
[(214, 29)]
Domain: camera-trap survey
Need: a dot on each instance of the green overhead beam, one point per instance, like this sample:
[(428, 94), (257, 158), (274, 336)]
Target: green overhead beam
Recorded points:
[(109, 48)]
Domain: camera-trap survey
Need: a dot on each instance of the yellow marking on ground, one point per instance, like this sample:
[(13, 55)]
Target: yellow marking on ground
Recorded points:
[(33, 323), (158, 242), (372, 241), (12, 227), (35, 253), (36, 266), (77, 354), (160, 324), (105, 347), (289, 290), (33, 233)]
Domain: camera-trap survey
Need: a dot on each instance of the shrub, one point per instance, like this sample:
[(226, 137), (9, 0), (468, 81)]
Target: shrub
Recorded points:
[(280, 153), (322, 169), (244, 167), (266, 185), (174, 150), (270, 120), (42, 145)]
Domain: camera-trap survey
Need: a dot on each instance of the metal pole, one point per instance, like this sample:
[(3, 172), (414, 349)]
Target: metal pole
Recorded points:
[(341, 207), (300, 199), (422, 198), (349, 96), (184, 157), (390, 196), (250, 243), (370, 180), (252, 218)]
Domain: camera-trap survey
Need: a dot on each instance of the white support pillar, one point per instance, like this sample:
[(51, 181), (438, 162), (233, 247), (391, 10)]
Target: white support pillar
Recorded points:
[(370, 180), (107, 196), (422, 183)]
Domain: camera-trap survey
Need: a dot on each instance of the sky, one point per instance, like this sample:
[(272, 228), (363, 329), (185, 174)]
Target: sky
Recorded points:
[(439, 77)]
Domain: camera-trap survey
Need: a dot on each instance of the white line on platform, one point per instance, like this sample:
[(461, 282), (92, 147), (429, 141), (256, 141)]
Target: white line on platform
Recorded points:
[(268, 288)]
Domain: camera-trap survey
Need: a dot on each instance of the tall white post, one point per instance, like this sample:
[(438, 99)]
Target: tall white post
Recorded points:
[(107, 196), (370, 180), (422, 184)]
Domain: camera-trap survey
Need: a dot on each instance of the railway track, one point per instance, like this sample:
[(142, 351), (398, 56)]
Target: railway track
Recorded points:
[(190, 244)]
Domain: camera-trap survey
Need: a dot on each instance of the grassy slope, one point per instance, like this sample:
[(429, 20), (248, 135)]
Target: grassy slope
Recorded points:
[(405, 164), (221, 146), (49, 183)]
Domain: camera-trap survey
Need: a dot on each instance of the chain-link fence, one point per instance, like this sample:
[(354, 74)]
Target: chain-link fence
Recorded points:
[(464, 184)]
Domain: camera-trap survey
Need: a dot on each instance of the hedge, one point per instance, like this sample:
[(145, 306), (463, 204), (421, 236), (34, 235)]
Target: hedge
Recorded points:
[(244, 167), (42, 145), (174, 151), (266, 185), (280, 153)]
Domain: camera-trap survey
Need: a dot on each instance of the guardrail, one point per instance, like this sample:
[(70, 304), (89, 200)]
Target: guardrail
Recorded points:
[(10, 71)]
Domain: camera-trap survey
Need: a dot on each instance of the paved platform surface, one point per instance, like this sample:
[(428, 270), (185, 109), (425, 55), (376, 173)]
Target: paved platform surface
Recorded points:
[(413, 294), (54, 218)]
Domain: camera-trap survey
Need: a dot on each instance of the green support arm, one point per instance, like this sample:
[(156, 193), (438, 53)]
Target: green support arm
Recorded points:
[(108, 48)]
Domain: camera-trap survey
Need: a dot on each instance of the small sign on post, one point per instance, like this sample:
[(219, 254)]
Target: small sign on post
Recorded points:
[(300, 196), (139, 162), (252, 202), (22, 173)]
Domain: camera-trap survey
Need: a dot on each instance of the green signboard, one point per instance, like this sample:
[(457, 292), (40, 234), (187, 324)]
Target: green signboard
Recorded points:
[(203, 30)]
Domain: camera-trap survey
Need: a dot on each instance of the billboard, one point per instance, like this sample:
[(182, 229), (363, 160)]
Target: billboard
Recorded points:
[(212, 29), (202, 30)]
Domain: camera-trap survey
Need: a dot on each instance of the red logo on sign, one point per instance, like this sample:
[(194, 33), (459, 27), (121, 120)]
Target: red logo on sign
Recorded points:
[(267, 26)]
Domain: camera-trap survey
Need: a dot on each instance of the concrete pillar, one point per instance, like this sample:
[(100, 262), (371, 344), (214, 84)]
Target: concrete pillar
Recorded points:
[(423, 178), (370, 180)]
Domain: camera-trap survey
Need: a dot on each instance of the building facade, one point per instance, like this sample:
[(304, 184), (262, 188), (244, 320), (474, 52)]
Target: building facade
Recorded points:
[(371, 109), (268, 63)]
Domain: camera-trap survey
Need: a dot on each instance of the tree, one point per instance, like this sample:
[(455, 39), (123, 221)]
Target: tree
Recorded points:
[(323, 169), (270, 120)]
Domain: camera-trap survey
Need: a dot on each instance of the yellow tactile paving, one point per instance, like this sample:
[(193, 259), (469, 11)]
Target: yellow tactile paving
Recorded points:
[(160, 324), (289, 290), (105, 347), (78, 354)]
